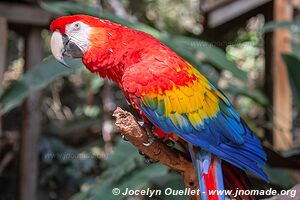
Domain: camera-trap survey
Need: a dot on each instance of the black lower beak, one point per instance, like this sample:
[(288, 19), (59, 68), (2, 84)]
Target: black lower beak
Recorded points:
[(72, 50)]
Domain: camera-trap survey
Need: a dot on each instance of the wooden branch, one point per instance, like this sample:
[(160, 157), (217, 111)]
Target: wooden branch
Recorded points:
[(158, 151)]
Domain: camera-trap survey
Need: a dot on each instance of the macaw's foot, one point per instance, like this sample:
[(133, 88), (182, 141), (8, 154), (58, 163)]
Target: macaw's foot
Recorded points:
[(150, 161), (170, 143), (141, 123), (149, 131), (151, 140), (124, 138)]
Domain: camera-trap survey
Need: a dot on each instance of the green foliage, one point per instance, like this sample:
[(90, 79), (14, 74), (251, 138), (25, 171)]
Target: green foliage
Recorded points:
[(256, 95), (61, 165), (292, 60), (211, 53), (280, 177), (37, 78), (124, 169), (293, 66), (170, 180), (271, 26), (292, 25), (174, 16)]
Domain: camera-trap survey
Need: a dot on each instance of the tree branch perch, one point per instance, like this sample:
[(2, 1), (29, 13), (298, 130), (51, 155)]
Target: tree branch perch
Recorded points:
[(158, 151)]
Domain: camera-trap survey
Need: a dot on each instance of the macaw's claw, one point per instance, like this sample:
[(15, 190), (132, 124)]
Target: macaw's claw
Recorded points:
[(149, 160), (149, 131), (150, 141), (141, 123), (124, 138)]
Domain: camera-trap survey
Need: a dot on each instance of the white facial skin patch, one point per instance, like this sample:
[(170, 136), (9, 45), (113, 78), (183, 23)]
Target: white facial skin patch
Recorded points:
[(78, 33)]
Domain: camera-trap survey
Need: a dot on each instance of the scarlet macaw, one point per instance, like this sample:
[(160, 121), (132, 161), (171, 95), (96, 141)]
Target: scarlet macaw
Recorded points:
[(167, 91)]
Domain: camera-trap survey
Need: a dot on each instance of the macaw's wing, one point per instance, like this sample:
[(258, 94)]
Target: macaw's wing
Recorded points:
[(196, 111)]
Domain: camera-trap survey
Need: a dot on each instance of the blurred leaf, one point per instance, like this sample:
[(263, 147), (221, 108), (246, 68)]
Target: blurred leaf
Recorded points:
[(171, 180), (96, 83), (37, 78), (71, 128), (63, 8), (292, 154), (281, 177), (296, 48), (184, 46), (134, 180), (281, 160), (256, 95), (121, 152), (271, 26), (280, 165), (125, 169), (213, 54), (293, 66)]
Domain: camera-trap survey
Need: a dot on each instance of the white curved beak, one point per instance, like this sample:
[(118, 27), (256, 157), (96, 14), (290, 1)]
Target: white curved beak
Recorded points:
[(58, 47)]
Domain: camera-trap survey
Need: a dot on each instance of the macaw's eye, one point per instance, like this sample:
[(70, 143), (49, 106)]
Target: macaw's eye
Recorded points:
[(77, 26)]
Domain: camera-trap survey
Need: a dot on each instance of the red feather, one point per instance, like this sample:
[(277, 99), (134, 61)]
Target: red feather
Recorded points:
[(236, 178)]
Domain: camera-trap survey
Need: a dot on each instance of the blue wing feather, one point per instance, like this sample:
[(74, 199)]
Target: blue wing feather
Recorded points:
[(225, 135)]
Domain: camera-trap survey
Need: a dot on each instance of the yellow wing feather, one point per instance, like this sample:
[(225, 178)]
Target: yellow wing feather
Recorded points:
[(196, 100)]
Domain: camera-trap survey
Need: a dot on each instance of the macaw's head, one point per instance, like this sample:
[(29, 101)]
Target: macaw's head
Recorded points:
[(73, 36)]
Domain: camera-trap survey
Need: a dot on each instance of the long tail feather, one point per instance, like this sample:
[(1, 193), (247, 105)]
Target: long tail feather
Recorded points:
[(236, 180), (209, 171)]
